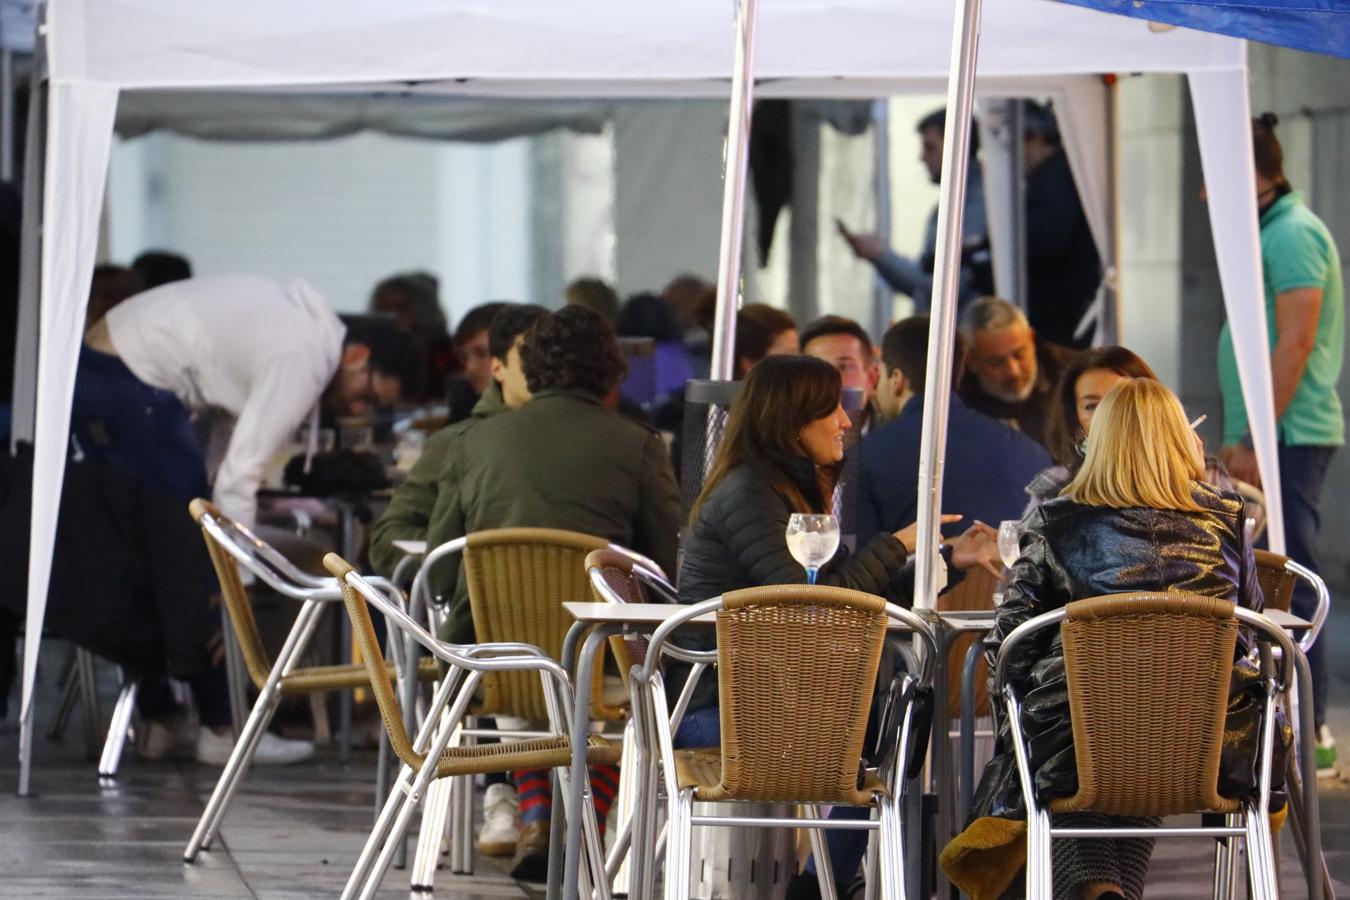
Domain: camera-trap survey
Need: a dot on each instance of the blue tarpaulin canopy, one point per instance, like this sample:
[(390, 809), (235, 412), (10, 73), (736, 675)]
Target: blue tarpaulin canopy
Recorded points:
[(1320, 26)]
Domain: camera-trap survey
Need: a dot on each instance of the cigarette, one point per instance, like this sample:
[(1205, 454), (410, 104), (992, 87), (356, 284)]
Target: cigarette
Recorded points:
[(1196, 423)]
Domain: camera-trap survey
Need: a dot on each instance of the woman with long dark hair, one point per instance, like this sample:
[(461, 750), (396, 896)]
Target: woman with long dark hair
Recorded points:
[(782, 452)]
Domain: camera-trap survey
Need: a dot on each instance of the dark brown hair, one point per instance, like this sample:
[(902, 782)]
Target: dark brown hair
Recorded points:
[(780, 397), (1063, 434), (826, 326), (1268, 152), (757, 325), (904, 346), (573, 347)]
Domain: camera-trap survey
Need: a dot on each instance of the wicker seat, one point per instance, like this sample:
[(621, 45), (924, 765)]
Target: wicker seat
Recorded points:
[(231, 545), (1148, 679), (796, 672), (451, 703)]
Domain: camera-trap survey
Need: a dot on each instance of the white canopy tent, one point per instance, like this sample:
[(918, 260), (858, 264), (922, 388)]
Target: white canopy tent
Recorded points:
[(97, 49)]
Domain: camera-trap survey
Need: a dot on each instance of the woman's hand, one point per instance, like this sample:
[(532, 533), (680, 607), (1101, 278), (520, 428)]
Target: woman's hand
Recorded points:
[(909, 535), (978, 546)]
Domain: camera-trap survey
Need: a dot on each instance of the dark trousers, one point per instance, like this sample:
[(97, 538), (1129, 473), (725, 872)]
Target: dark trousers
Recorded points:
[(1303, 469), (210, 691)]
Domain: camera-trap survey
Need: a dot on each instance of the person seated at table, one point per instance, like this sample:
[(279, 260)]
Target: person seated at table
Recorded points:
[(475, 360), (781, 453), (413, 299), (1136, 517), (1011, 371), (1085, 381), (412, 508), (266, 355), (561, 461), (986, 463)]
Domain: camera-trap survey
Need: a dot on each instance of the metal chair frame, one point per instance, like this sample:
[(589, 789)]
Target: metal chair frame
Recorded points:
[(638, 763), (450, 807), (467, 665), (655, 730), (314, 593), (1254, 815)]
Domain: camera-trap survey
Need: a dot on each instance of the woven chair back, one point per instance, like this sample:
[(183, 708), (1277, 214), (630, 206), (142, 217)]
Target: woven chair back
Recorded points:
[(363, 631), (518, 580), (975, 593), (232, 592), (1148, 678), (1277, 582), (617, 570), (797, 667)]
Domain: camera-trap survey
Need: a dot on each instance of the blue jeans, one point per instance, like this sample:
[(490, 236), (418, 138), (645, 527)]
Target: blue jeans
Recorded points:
[(1303, 469), (140, 431)]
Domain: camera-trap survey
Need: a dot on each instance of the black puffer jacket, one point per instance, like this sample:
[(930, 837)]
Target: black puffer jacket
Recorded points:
[(1071, 552), (738, 541)]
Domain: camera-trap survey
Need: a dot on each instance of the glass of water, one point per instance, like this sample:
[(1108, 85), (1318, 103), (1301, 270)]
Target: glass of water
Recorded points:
[(812, 540), (1009, 534)]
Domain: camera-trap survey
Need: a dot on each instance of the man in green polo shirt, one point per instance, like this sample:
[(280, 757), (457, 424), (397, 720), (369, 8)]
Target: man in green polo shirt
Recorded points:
[(1305, 317)]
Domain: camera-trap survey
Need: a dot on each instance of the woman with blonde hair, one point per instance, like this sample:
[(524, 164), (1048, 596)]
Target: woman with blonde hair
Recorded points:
[(1136, 517)]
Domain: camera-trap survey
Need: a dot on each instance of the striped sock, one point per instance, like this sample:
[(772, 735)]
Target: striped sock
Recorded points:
[(536, 796)]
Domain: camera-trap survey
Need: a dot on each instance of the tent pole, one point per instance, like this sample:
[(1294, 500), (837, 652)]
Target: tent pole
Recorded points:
[(737, 154), (6, 115), (883, 295), (937, 397)]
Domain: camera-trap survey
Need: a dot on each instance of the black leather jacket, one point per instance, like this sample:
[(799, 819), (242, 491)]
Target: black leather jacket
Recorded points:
[(738, 541), (1072, 552)]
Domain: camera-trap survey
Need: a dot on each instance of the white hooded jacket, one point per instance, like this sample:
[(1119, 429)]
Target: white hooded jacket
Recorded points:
[(246, 345)]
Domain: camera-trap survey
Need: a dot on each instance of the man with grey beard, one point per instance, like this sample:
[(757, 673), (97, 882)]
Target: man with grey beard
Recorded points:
[(1010, 373)]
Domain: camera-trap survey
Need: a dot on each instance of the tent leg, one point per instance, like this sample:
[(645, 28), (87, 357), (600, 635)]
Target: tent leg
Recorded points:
[(946, 280)]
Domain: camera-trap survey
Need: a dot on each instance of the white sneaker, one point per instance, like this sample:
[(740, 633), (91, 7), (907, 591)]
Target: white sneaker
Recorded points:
[(173, 738), (214, 749), (501, 821)]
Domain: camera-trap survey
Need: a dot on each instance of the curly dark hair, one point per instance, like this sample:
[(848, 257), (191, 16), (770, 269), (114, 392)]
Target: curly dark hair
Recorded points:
[(573, 347)]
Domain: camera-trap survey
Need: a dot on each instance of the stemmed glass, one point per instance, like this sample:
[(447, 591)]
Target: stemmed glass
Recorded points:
[(1008, 541), (812, 540)]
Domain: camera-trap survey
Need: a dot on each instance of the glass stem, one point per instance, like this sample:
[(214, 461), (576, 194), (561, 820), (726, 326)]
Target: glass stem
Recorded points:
[(811, 574)]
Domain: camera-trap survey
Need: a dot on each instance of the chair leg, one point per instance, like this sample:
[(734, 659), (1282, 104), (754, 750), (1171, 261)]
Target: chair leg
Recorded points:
[(233, 773), (440, 798), (819, 850), (888, 848), (398, 795), (461, 828), (70, 695), (93, 716), (1261, 857), (1225, 863), (872, 866), (678, 845), (410, 793), (642, 855), (117, 729), (616, 865)]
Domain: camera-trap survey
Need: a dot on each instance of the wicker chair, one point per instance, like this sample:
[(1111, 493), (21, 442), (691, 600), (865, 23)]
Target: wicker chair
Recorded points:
[(1278, 576), (796, 673), (231, 545), (1148, 727), (430, 757), (518, 580)]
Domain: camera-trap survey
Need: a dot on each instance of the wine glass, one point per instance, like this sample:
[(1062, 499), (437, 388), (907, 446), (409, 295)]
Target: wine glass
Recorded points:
[(812, 540), (1008, 541)]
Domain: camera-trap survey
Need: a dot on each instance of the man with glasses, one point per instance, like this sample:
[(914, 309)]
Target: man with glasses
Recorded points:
[(268, 356)]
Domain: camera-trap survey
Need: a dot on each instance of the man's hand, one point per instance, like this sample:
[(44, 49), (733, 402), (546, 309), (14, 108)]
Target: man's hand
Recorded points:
[(978, 546), (864, 246), (1241, 463)]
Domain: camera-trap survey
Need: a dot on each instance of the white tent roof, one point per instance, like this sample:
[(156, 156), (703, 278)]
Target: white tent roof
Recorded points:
[(597, 47)]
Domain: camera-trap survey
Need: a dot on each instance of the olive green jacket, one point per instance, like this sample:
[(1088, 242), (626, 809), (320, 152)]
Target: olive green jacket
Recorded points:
[(561, 461), (412, 508)]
